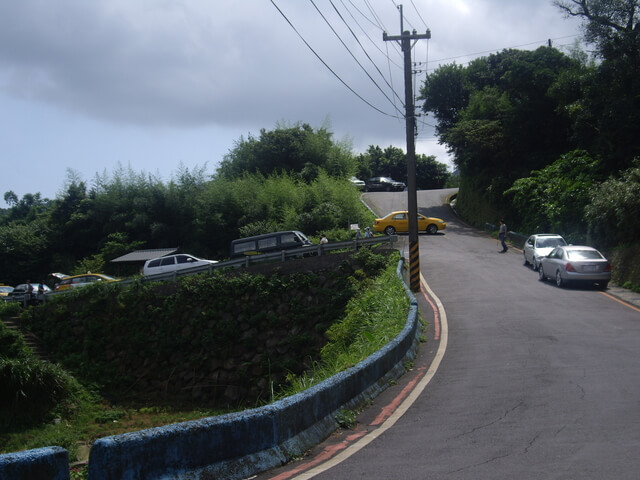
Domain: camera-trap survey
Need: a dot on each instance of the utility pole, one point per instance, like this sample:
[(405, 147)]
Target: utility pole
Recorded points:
[(405, 40)]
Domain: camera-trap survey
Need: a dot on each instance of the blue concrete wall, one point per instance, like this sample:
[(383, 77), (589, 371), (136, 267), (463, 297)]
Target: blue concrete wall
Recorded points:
[(49, 463)]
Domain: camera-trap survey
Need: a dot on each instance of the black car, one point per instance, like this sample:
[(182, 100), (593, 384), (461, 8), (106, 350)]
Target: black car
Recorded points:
[(384, 184)]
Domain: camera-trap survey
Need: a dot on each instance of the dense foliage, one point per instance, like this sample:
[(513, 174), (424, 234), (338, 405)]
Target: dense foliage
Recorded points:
[(542, 138)]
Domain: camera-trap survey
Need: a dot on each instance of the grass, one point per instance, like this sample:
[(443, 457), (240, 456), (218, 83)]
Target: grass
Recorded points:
[(373, 318)]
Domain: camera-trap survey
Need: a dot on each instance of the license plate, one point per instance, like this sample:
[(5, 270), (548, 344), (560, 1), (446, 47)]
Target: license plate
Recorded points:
[(590, 268)]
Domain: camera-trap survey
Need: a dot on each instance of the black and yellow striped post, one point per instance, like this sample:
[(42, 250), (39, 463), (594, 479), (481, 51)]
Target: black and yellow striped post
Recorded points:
[(414, 266), (405, 40)]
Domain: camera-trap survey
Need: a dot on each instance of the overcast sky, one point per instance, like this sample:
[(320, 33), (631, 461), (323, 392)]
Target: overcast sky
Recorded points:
[(152, 85)]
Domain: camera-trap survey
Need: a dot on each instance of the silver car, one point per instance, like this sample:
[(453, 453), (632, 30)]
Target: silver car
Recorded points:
[(540, 245), (575, 263)]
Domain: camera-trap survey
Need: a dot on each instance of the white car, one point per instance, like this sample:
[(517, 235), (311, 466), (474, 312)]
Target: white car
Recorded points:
[(357, 183), (540, 245), (173, 263)]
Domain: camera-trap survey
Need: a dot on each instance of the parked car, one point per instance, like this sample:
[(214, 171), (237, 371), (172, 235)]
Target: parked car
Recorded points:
[(575, 263), (5, 290), (19, 292), (540, 245), (268, 242), (384, 184), (173, 263), (75, 281), (399, 222), (357, 183)]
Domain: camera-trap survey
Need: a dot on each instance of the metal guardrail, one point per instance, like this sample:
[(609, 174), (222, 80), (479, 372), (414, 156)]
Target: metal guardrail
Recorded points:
[(281, 256)]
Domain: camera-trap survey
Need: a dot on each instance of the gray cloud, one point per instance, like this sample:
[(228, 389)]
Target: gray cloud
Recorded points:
[(184, 64)]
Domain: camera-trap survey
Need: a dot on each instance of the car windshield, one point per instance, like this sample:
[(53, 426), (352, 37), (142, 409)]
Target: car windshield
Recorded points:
[(584, 255), (550, 242)]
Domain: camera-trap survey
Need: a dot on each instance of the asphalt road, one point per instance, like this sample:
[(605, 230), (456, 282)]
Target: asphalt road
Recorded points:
[(536, 382)]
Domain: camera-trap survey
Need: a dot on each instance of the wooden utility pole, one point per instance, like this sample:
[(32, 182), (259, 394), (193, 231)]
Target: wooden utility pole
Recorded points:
[(405, 40)]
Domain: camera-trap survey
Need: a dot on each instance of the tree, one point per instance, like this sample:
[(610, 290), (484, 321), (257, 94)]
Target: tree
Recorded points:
[(288, 149), (609, 113), (11, 198), (430, 174), (612, 25), (445, 93), (615, 208), (554, 198)]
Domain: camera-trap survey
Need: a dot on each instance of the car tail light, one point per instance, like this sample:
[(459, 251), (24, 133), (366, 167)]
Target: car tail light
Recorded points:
[(607, 267), (569, 268)]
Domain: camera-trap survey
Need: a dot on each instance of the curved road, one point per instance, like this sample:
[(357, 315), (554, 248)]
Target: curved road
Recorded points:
[(536, 382)]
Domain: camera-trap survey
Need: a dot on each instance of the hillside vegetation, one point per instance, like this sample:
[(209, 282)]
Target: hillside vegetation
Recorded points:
[(163, 352)]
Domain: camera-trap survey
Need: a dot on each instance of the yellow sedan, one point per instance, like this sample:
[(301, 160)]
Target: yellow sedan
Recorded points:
[(399, 222), (75, 281)]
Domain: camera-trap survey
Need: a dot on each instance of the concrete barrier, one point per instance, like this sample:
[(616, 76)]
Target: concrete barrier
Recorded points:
[(241, 444), (49, 463)]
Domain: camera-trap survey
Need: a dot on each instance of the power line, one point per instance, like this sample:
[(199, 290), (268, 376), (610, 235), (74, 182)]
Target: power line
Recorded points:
[(503, 48), (365, 32), (325, 64), (418, 12), (351, 53), (377, 25), (367, 55)]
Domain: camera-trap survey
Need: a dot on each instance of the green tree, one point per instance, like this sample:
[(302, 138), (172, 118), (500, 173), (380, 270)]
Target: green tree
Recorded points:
[(23, 250), (554, 198), (288, 149), (445, 93), (614, 209), (607, 118), (430, 174)]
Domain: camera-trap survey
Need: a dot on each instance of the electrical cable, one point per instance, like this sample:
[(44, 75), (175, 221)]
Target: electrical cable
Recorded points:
[(503, 48), (352, 55), (420, 16), (325, 64), (367, 35), (365, 52)]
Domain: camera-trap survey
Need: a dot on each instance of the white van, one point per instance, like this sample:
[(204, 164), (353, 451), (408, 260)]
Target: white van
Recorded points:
[(172, 263)]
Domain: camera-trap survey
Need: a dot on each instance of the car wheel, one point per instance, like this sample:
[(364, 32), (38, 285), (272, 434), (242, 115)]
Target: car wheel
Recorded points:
[(535, 264), (559, 281), (432, 229), (389, 230), (541, 274), (526, 262)]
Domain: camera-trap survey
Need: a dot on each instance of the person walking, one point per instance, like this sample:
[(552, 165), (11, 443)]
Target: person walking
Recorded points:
[(502, 234)]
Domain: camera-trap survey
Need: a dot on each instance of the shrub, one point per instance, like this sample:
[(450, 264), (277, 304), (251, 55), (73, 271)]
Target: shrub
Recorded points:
[(12, 344), (33, 390), (9, 309)]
